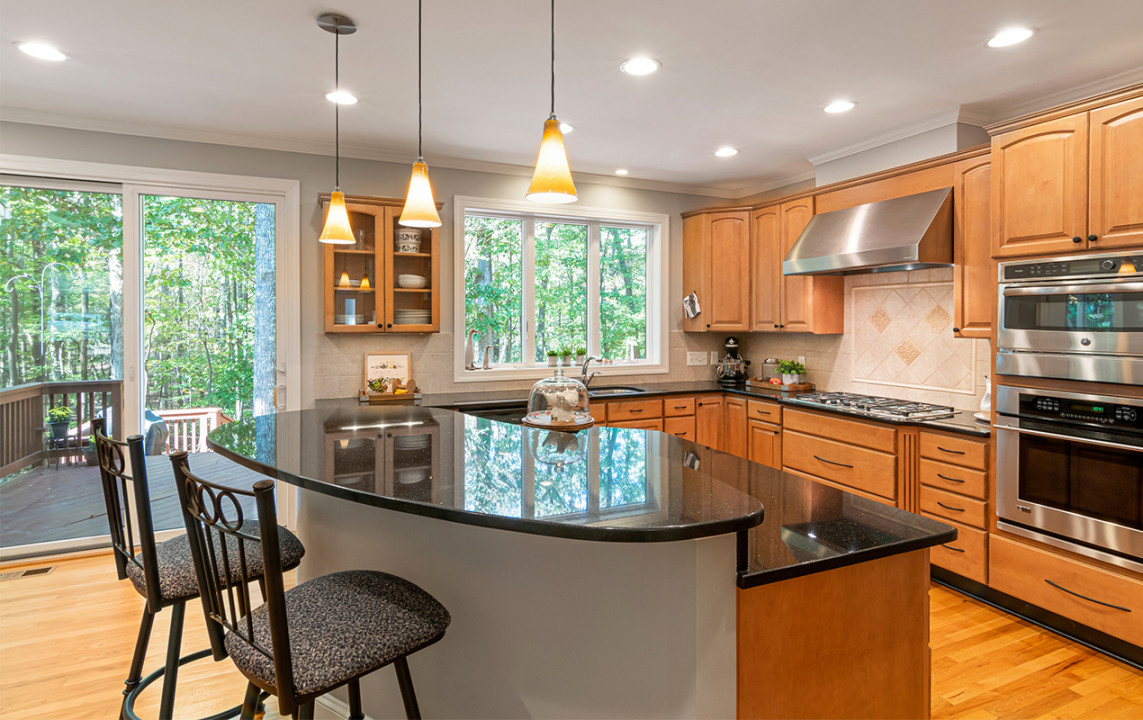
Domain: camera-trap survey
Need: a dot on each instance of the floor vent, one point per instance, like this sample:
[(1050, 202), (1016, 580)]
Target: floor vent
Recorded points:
[(30, 572)]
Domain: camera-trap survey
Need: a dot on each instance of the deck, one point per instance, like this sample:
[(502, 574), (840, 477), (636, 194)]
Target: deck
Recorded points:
[(50, 503)]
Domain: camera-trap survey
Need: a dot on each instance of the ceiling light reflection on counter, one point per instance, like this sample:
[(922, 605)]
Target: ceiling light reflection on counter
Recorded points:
[(640, 65), (41, 51), (840, 106), (1011, 36), (726, 151)]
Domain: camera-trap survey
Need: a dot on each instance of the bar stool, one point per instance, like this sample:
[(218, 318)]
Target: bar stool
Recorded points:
[(163, 573), (301, 643)]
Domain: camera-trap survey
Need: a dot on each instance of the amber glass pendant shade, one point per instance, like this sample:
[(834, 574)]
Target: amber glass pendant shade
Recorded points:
[(420, 208), (552, 182), (337, 230)]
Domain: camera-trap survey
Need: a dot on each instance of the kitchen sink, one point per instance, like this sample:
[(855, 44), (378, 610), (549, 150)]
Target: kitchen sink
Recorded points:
[(613, 390)]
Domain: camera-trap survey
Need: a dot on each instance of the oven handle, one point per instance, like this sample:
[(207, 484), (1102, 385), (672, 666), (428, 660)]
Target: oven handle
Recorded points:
[(1072, 438), (1074, 288)]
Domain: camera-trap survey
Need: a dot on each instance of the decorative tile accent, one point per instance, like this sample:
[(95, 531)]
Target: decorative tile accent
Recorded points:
[(903, 338)]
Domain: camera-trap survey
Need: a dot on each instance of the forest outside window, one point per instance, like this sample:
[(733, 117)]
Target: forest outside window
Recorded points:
[(538, 283)]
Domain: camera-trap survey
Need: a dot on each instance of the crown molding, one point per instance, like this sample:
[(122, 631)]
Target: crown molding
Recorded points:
[(932, 123), (748, 190), (1077, 93)]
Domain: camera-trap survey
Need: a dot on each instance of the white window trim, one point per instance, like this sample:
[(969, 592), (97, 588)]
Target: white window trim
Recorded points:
[(657, 335)]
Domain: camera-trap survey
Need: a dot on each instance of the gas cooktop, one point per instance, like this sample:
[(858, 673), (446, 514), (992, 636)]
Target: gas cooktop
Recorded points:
[(874, 406)]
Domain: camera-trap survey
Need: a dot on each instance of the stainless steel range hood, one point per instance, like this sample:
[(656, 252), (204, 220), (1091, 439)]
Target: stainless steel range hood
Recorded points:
[(907, 233)]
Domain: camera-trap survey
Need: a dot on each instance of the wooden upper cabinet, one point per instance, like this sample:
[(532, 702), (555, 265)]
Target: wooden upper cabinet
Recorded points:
[(1040, 190), (766, 251), (716, 267), (1115, 182), (797, 298), (974, 271)]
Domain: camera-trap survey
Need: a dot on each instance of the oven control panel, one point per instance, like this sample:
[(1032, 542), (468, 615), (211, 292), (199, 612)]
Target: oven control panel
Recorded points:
[(1117, 264), (1119, 415)]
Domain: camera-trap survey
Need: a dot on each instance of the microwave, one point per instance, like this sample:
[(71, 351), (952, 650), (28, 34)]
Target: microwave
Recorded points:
[(1076, 318)]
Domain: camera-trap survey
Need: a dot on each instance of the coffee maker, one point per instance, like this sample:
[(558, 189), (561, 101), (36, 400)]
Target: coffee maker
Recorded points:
[(732, 369)]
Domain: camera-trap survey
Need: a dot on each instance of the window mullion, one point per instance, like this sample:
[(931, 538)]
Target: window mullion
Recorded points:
[(594, 239), (529, 295)]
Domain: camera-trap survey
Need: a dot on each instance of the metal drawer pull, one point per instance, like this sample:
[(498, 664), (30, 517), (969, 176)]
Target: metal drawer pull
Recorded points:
[(949, 507), (951, 452), (831, 462), (680, 407), (684, 432), (762, 412), (634, 410), (1085, 597), (950, 547), (946, 477)]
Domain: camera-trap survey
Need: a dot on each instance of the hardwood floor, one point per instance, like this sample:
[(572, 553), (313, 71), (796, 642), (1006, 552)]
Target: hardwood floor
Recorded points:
[(66, 639)]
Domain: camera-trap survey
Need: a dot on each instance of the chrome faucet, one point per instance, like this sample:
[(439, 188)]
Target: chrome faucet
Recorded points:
[(585, 377)]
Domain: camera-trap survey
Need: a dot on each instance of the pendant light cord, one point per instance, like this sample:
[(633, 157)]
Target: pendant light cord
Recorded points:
[(553, 58), (337, 108), (420, 111)]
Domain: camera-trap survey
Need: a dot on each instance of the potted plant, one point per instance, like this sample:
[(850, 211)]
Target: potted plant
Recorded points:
[(59, 420), (580, 355), (565, 355), (89, 455), (552, 358), (791, 371)]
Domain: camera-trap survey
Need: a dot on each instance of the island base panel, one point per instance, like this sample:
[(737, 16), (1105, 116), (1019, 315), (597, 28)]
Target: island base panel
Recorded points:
[(851, 642)]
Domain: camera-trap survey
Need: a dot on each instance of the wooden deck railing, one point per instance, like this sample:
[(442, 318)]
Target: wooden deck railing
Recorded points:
[(188, 427), (23, 410)]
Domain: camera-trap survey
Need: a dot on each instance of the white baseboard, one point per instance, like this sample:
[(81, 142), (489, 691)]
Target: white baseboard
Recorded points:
[(327, 707)]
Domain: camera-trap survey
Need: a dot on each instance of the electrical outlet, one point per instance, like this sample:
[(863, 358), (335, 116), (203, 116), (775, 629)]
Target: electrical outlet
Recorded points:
[(802, 359), (714, 359), (696, 358)]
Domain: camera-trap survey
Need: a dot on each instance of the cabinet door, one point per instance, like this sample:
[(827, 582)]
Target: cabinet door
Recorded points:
[(796, 289), (708, 421), (352, 274), (728, 272), (1115, 178), (974, 275), (766, 248), (735, 439), (1039, 199), (766, 444), (683, 426), (409, 308)]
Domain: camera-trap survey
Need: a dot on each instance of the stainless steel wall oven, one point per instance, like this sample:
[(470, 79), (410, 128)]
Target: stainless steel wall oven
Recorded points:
[(1078, 318), (1069, 471)]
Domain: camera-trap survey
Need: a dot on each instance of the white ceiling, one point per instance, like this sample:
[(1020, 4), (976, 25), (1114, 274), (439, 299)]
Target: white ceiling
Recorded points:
[(750, 73)]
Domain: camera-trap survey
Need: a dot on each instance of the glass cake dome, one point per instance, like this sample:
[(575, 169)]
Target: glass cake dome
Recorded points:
[(559, 403)]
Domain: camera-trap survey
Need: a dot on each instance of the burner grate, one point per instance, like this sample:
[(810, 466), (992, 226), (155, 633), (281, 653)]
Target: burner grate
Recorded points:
[(874, 406)]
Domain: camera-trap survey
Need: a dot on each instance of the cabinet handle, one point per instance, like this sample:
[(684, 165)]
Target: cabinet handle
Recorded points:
[(700, 404), (777, 325), (831, 462), (708, 324), (1092, 238), (680, 407), (389, 325), (635, 410), (946, 477), (950, 507), (1077, 239), (956, 330), (761, 412), (950, 547), (381, 325), (1085, 597), (684, 432), (951, 452)]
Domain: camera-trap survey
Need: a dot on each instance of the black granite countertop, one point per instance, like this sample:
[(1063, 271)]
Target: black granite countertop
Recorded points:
[(604, 484), (962, 422)]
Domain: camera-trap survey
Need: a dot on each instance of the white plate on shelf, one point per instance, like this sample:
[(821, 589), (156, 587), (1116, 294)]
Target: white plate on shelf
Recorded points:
[(345, 319), (982, 417)]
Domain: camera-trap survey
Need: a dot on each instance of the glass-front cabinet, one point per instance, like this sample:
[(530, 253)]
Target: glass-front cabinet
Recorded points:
[(387, 281)]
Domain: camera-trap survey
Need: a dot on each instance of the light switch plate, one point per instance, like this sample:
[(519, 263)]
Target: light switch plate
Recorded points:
[(713, 357), (802, 359), (696, 358)]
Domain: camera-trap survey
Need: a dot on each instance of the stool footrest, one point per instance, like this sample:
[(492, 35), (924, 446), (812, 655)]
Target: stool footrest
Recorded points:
[(133, 695)]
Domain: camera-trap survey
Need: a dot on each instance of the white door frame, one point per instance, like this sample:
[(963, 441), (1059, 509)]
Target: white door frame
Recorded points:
[(136, 181)]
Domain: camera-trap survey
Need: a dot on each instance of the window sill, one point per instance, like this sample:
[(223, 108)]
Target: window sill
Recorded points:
[(536, 373)]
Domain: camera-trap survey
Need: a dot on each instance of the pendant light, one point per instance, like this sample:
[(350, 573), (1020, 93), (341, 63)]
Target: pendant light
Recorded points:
[(420, 209), (337, 230), (552, 180)]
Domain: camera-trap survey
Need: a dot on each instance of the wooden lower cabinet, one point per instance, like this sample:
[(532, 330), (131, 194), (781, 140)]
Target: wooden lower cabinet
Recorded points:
[(1107, 601), (708, 420), (765, 444), (734, 432), (945, 505), (621, 410), (682, 427), (966, 556), (652, 424)]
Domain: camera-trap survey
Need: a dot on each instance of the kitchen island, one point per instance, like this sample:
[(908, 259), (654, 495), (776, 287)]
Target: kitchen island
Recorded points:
[(611, 573)]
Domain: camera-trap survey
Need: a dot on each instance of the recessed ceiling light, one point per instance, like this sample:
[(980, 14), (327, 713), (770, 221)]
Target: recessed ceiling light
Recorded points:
[(1011, 36), (566, 127), (341, 97), (41, 51), (621, 171), (839, 106), (726, 151), (640, 65)]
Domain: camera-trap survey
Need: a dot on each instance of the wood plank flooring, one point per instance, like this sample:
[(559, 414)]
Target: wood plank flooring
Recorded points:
[(66, 640)]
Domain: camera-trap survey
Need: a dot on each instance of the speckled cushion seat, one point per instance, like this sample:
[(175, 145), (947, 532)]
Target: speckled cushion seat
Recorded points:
[(176, 567), (343, 625)]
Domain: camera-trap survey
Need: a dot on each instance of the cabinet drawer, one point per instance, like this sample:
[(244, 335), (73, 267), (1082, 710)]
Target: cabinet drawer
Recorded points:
[(1028, 573), (652, 424), (634, 410), (957, 450), (955, 478), (870, 435), (857, 467), (683, 427), (765, 411), (966, 556), (951, 506), (678, 406)]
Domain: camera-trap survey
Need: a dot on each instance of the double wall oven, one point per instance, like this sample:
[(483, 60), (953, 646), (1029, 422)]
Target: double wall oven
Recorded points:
[(1069, 463)]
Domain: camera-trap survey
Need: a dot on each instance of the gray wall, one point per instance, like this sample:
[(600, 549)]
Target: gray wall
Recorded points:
[(331, 364)]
